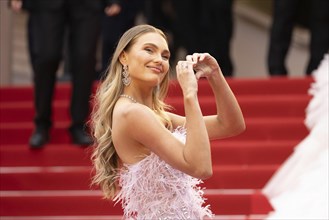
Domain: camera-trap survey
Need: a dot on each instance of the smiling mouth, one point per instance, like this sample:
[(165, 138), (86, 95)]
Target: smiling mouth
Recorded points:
[(156, 69)]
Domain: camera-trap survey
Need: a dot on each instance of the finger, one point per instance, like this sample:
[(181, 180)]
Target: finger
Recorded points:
[(207, 56), (195, 57), (179, 64), (189, 58), (202, 56)]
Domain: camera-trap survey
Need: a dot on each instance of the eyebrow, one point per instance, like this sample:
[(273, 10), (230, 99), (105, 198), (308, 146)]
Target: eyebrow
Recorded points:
[(154, 45)]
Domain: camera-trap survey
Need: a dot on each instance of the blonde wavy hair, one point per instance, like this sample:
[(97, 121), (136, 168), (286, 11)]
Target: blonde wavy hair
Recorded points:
[(104, 157)]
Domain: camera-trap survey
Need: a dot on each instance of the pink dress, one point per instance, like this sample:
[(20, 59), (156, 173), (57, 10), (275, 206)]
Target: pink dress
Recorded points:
[(152, 189)]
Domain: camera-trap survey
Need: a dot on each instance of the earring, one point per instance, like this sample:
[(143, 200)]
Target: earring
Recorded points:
[(126, 78)]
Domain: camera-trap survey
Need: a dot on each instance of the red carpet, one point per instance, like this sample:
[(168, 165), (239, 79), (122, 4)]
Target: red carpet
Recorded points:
[(55, 180)]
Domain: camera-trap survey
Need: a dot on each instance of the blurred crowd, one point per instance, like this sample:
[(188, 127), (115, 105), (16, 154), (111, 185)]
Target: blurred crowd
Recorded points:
[(199, 26)]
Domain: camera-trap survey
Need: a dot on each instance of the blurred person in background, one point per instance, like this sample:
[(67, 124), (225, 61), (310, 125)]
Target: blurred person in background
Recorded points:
[(315, 16), (206, 26), (161, 14), (119, 16), (47, 24)]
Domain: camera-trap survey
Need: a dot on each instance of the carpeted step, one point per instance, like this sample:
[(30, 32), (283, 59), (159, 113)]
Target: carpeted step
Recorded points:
[(12, 111), (79, 178), (270, 129), (271, 86), (252, 106), (257, 129), (25, 93), (51, 155), (223, 153), (58, 203), (240, 176)]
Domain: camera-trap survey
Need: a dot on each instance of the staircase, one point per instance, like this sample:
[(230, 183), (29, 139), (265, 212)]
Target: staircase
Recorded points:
[(54, 183)]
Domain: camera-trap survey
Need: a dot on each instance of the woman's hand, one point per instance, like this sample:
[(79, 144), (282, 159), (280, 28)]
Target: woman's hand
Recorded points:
[(186, 77), (112, 10), (204, 65), (16, 5)]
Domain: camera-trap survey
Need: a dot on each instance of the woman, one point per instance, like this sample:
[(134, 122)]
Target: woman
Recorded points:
[(146, 157)]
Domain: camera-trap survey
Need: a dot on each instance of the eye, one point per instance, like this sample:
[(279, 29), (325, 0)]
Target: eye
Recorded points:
[(165, 57), (149, 50)]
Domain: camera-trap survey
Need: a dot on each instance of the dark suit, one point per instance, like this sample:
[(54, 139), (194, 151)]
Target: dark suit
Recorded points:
[(284, 19), (217, 30), (114, 26), (48, 21), (206, 26)]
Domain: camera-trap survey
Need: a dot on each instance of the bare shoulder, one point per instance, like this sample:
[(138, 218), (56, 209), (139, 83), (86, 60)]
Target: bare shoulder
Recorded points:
[(133, 119), (130, 124), (131, 112)]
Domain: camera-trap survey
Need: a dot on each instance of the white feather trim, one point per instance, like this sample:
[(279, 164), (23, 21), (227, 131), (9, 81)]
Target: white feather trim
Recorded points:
[(152, 189)]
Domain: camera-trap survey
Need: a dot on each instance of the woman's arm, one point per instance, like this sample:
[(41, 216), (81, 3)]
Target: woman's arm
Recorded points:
[(197, 140), (135, 127), (229, 120)]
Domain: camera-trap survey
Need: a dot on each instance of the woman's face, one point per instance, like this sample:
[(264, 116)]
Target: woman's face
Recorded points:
[(148, 59)]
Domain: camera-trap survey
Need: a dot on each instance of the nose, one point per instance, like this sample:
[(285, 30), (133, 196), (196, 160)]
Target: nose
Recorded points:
[(158, 58)]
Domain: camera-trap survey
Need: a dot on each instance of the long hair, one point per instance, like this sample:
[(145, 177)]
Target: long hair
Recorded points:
[(104, 157)]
